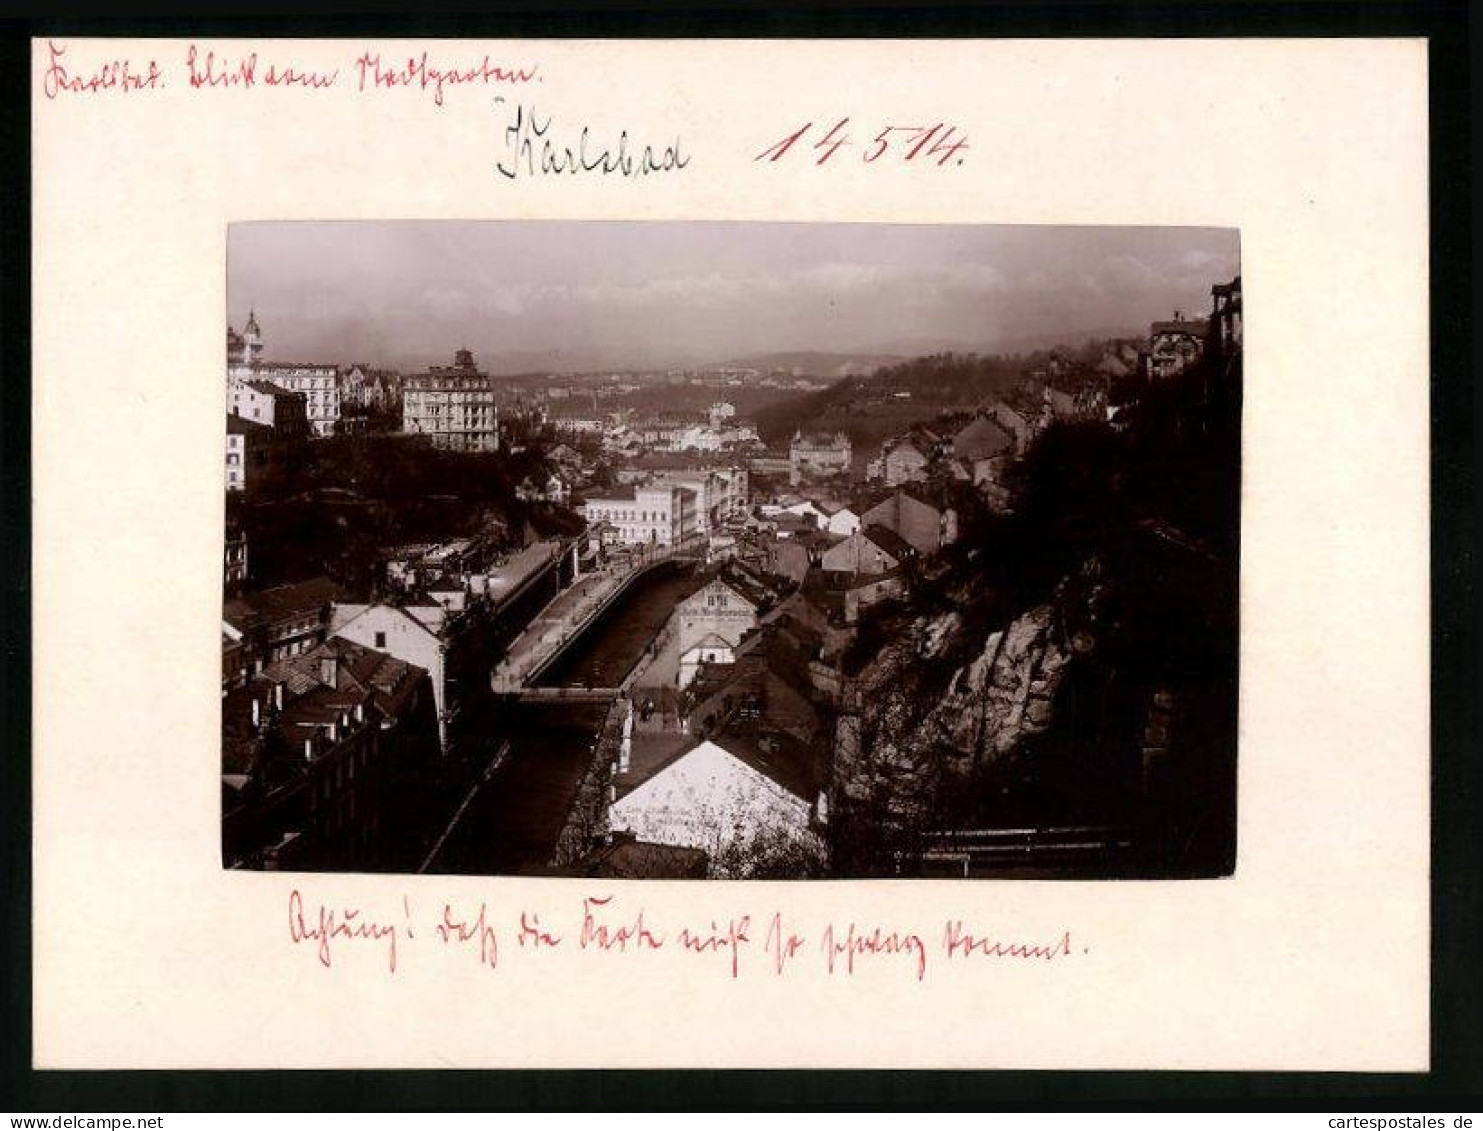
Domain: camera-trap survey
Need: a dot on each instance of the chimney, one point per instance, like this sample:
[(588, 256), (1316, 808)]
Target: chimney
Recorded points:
[(329, 670)]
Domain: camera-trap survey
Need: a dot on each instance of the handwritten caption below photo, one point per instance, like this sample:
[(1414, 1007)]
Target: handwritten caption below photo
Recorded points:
[(606, 924)]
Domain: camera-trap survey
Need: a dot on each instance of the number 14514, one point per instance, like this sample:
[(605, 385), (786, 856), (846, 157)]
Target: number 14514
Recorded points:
[(939, 143)]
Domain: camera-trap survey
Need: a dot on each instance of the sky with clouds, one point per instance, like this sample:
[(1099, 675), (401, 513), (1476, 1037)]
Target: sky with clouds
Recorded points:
[(588, 295)]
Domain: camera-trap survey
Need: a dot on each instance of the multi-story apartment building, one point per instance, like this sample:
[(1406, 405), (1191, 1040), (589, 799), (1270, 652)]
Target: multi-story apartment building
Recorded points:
[(655, 515), (720, 494), (318, 383), (454, 405), (322, 756), (277, 623)]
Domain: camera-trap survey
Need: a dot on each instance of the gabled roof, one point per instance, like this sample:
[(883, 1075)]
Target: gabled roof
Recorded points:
[(981, 436), (927, 494), (389, 681), (736, 591), (426, 618), (709, 640), (309, 706), (905, 443), (241, 426), (269, 388), (888, 540), (250, 609)]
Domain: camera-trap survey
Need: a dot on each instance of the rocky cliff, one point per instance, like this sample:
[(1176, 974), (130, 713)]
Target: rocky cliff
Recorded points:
[(909, 734)]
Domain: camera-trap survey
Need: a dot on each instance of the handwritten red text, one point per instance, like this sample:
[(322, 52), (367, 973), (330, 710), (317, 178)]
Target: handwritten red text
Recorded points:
[(959, 943), (457, 930), (323, 925), (372, 73), (603, 936), (115, 75), (859, 943)]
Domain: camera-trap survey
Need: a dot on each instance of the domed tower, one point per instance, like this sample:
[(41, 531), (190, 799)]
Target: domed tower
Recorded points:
[(252, 337)]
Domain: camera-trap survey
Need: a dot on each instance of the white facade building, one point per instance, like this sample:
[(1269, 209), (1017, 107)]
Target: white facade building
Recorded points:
[(717, 609), (662, 515), (843, 521), (320, 386), (410, 633), (711, 799), (454, 405), (710, 649)]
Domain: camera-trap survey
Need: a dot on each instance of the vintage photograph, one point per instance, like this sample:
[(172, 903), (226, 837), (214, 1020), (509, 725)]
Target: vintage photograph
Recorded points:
[(731, 550)]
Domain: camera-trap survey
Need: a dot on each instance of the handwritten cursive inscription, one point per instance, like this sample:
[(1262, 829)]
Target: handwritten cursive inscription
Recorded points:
[(958, 943), (533, 147), (728, 940), (457, 930), (115, 75), (323, 925), (210, 71), (372, 74), (603, 926), (857, 942), (607, 936)]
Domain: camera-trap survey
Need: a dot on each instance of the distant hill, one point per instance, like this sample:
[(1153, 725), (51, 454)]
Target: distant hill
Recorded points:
[(1062, 340), (870, 406), (862, 362), (883, 402), (814, 363)]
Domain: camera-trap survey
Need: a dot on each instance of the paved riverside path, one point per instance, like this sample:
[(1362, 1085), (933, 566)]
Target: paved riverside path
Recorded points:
[(607, 650), (551, 626), (568, 615)]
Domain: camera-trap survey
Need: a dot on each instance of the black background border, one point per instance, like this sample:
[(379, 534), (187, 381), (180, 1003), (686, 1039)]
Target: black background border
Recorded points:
[(1456, 1080)]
